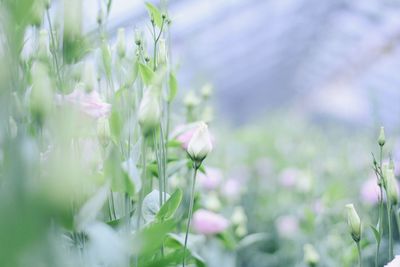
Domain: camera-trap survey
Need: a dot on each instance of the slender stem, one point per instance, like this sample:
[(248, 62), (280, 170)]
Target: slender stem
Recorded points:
[(389, 218), (53, 50), (112, 204), (190, 214), (127, 211), (143, 180), (359, 254), (159, 167), (164, 157)]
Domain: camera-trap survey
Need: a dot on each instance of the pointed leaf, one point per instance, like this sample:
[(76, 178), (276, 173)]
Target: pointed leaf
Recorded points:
[(169, 207)]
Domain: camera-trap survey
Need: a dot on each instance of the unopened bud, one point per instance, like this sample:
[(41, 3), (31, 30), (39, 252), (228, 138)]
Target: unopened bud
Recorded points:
[(72, 19), (162, 52), (381, 138), (207, 90), (354, 222), (89, 76), (13, 128), (311, 256), (37, 11), (138, 37), (121, 46), (149, 112), (239, 216), (43, 48), (100, 17), (41, 98), (392, 187), (200, 144), (106, 57), (103, 131), (191, 100)]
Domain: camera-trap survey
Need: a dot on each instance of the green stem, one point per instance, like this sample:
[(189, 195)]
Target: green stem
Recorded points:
[(397, 216), (359, 254), (159, 167), (190, 214), (54, 51), (389, 208)]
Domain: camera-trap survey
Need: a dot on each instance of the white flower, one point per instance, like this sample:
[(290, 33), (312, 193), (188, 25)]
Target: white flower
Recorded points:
[(395, 262), (200, 143)]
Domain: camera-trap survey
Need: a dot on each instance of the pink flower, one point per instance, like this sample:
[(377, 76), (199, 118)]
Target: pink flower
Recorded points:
[(370, 191), (289, 177), (208, 223), (211, 179), (185, 137), (395, 262), (287, 225), (184, 133), (89, 103), (231, 189)]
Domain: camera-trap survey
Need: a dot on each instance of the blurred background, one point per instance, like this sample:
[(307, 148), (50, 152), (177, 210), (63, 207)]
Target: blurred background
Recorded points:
[(328, 59)]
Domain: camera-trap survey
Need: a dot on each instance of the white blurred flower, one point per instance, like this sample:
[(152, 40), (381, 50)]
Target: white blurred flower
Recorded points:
[(287, 225), (395, 262)]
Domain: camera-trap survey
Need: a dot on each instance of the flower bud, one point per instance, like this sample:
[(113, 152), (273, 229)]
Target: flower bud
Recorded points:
[(207, 90), (100, 17), (89, 76), (311, 256), (354, 222), (72, 18), (106, 57), (37, 11), (121, 45), (391, 187), (103, 131), (149, 112), (138, 37), (241, 230), (200, 144), (41, 97), (191, 100), (239, 216), (13, 128), (381, 138), (43, 48), (162, 52)]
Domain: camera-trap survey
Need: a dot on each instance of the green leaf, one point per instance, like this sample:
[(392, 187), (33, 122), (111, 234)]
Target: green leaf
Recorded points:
[(154, 14), (150, 238), (173, 87), (176, 242), (146, 73), (168, 209), (376, 234)]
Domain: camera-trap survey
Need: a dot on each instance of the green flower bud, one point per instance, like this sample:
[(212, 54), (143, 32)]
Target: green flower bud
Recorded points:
[(191, 100), (138, 37), (106, 57), (392, 187), (103, 131), (121, 46), (311, 256), (89, 76), (207, 90), (41, 97), (43, 48), (354, 222), (13, 128), (381, 138), (72, 19), (37, 11), (149, 112), (162, 52)]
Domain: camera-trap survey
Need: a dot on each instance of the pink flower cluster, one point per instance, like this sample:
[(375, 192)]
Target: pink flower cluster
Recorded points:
[(209, 223), (89, 103)]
